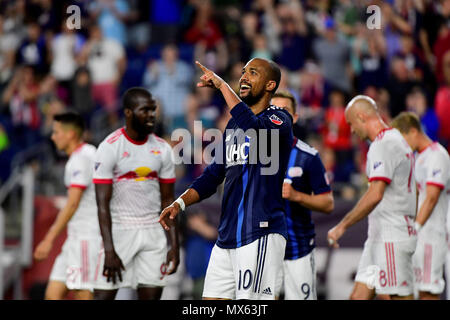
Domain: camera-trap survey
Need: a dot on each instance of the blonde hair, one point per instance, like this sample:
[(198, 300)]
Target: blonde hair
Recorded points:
[(405, 121)]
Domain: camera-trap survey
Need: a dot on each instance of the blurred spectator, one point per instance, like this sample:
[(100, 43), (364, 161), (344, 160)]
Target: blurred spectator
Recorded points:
[(33, 49), (400, 83), (106, 62), (416, 101), (65, 47), (311, 85), (440, 47), (337, 135), (81, 94), (260, 48), (347, 15), (111, 16), (333, 56), (293, 36), (373, 64), (442, 102), (200, 238), (209, 43), (203, 105), (20, 98), (169, 80), (8, 46)]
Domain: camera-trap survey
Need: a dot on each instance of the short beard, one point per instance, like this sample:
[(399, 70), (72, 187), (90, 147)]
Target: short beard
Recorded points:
[(251, 100), (142, 130)]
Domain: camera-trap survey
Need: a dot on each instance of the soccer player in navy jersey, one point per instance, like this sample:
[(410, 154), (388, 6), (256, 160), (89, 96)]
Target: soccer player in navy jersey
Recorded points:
[(305, 188), (249, 252)]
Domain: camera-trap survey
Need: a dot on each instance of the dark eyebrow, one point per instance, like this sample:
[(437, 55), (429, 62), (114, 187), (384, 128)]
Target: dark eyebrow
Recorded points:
[(251, 69)]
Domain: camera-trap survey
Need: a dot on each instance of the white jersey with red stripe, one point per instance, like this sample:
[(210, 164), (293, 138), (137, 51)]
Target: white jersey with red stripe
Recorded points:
[(135, 168), (433, 168), (78, 174), (390, 159)]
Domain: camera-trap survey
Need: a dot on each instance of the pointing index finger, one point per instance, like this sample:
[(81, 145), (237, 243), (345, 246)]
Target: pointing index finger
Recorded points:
[(204, 69)]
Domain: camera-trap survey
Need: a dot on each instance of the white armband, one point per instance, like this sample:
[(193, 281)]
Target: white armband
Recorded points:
[(417, 226), (181, 203)]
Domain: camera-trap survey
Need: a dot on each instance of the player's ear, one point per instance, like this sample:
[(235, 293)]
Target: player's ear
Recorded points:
[(127, 112), (270, 85), (360, 117)]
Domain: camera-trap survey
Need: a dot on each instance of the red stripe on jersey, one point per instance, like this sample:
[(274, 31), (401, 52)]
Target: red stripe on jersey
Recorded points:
[(387, 180), (131, 140), (388, 265), (77, 149), (115, 136), (393, 264), (78, 186), (440, 186), (427, 264), (99, 260), (172, 180), (102, 181), (84, 259), (380, 134)]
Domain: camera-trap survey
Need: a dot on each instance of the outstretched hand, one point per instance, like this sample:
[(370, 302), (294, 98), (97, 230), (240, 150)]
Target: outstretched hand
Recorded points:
[(209, 78), (167, 216)]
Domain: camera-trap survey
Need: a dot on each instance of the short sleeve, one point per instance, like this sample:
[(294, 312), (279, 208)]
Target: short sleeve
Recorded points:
[(81, 173), (380, 163), (167, 171), (437, 170), (104, 164)]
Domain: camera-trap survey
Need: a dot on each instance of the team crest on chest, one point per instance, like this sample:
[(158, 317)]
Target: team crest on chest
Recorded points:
[(276, 120)]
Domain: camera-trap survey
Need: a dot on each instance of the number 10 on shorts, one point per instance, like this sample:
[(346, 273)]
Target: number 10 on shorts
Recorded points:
[(245, 279)]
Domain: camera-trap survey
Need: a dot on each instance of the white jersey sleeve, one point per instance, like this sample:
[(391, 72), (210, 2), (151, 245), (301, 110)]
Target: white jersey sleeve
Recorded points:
[(167, 171), (438, 170), (80, 173), (105, 160), (381, 163)]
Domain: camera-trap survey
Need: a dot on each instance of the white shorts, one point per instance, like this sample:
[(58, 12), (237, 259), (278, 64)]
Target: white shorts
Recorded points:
[(248, 272), (143, 253), (428, 263), (298, 278), (387, 267), (75, 265)]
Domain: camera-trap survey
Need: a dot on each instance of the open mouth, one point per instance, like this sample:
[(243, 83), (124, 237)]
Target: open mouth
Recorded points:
[(244, 88)]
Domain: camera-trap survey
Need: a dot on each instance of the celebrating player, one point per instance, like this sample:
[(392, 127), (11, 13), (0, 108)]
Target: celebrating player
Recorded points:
[(74, 267), (306, 188), (134, 177), (248, 254), (385, 267), (432, 174)]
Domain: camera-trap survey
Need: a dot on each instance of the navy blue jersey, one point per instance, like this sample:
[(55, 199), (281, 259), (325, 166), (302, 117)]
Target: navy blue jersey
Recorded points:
[(307, 174), (252, 205)]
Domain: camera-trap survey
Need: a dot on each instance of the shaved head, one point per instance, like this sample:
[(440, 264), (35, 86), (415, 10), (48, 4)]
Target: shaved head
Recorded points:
[(363, 104), (272, 69), (362, 115)]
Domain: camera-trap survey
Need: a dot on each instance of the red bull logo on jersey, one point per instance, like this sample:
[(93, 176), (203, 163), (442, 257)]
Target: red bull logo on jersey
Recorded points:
[(155, 151), (139, 174)]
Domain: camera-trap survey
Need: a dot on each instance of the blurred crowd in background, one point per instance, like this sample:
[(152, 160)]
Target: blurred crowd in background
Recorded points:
[(325, 49)]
